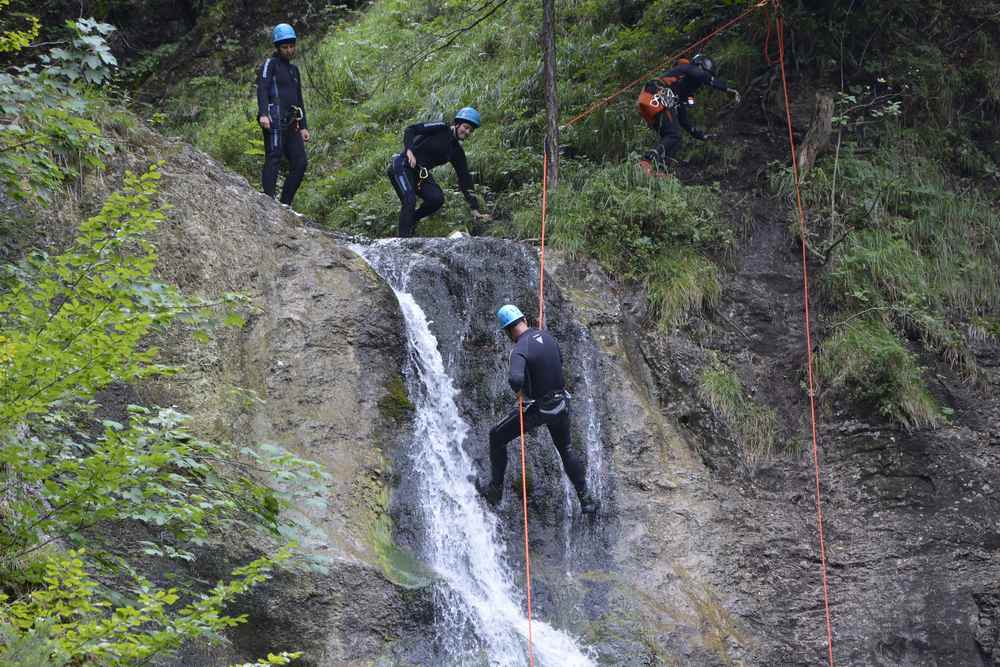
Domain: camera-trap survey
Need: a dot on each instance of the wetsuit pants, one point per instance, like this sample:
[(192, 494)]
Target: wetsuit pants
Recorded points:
[(408, 186), (558, 425), (668, 128), (287, 143)]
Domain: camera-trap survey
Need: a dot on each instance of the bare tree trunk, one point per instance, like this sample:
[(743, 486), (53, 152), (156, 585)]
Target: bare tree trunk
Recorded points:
[(818, 136), (551, 95)]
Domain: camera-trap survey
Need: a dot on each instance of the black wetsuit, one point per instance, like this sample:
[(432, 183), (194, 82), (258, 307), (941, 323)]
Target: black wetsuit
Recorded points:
[(536, 371), (433, 144), (279, 97), (684, 80)]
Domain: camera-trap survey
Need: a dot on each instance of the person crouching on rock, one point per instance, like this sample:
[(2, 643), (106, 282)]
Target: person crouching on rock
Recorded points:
[(536, 375), (663, 104), (425, 146), (282, 115)]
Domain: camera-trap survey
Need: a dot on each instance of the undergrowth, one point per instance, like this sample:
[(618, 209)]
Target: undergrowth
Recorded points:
[(902, 245)]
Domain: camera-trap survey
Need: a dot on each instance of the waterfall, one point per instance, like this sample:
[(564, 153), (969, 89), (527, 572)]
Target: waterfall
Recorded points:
[(482, 619)]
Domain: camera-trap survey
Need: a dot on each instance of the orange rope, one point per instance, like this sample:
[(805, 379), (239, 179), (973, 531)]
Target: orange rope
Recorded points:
[(645, 77), (524, 502), (809, 355)]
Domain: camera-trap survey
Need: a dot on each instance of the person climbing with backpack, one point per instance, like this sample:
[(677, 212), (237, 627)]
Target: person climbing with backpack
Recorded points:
[(426, 146), (664, 102), (536, 376), (282, 116)]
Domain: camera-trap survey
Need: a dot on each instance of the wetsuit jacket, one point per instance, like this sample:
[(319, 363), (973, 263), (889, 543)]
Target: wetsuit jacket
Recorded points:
[(433, 144), (279, 88), (536, 365), (685, 80)]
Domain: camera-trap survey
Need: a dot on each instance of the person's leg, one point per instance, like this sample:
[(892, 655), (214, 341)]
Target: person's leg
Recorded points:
[(272, 160), (508, 429), (399, 176), (670, 139), (432, 196), (505, 431), (559, 429), (295, 151)]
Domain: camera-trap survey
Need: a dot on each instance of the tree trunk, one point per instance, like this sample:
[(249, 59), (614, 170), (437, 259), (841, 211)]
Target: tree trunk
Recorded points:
[(818, 136), (551, 95)]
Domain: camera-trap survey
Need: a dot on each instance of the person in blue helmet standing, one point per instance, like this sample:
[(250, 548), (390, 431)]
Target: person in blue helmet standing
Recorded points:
[(536, 376), (426, 146), (282, 115)]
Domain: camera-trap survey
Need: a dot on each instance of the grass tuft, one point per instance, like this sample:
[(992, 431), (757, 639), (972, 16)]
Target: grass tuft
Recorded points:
[(867, 359), (754, 427)]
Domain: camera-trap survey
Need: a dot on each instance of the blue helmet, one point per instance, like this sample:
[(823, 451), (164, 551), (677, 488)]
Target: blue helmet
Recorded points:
[(468, 115), (508, 315), (282, 33)]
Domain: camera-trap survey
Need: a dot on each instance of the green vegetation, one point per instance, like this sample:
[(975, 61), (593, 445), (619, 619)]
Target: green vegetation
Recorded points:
[(395, 404), (13, 39), (651, 230), (753, 427), (365, 82), (48, 134), (73, 324)]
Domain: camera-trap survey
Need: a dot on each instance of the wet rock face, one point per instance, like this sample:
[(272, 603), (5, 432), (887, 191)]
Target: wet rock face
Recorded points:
[(633, 583)]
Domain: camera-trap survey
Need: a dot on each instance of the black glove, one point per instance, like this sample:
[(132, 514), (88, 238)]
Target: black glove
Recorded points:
[(652, 86), (699, 135)]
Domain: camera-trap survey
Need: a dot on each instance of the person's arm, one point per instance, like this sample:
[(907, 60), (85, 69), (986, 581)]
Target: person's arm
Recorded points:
[(302, 102), (461, 164), (516, 375), (709, 80), (411, 133), (264, 77)]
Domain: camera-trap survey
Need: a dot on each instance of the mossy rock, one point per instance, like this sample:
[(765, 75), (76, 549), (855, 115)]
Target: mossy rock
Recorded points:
[(396, 404)]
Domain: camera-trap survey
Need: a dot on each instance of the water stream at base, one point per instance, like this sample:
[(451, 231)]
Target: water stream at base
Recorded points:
[(482, 618)]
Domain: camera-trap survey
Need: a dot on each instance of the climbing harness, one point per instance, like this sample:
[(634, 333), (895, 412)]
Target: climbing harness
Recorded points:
[(652, 104), (666, 98), (292, 119)]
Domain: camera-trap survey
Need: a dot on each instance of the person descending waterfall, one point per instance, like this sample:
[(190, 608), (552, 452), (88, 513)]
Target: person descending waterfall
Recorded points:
[(425, 146), (281, 114), (536, 376), (664, 102)]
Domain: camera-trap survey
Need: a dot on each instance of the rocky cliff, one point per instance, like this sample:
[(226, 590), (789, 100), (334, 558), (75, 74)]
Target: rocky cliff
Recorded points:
[(693, 559)]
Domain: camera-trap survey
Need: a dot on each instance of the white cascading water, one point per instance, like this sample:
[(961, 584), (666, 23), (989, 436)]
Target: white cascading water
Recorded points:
[(483, 617)]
